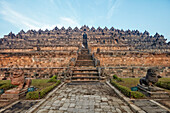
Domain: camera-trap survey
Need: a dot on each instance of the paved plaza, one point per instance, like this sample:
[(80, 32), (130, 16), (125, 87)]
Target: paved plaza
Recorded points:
[(84, 99)]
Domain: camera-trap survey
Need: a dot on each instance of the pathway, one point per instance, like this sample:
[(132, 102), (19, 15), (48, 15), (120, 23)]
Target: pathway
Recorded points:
[(84, 99)]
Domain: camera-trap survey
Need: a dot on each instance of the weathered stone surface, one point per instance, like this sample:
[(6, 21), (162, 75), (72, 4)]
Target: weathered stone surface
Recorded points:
[(120, 39), (149, 106), (134, 71), (85, 98), (55, 48), (20, 107), (17, 78), (151, 77), (35, 64), (133, 58)]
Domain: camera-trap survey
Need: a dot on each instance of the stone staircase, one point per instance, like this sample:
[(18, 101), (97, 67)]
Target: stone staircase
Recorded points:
[(84, 59), (84, 70)]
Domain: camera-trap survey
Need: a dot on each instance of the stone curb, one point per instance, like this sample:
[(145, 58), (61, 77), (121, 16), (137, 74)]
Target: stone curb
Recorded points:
[(160, 105), (35, 107), (133, 107), (8, 106)]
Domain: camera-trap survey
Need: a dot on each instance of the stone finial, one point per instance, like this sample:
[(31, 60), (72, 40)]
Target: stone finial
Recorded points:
[(76, 29), (105, 29), (63, 28), (56, 28), (112, 29), (99, 29), (146, 33)]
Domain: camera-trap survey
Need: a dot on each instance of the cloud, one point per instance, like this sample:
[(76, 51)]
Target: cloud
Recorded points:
[(168, 38), (112, 8), (72, 9), (16, 18), (52, 1), (23, 22), (66, 22)]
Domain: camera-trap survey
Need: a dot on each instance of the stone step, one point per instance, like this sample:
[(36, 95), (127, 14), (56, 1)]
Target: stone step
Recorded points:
[(85, 77), (84, 69), (84, 63), (86, 73), (84, 52), (85, 81), (84, 49), (159, 94), (4, 100), (84, 57)]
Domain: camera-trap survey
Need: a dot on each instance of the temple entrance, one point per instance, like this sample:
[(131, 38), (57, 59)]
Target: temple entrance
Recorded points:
[(85, 40)]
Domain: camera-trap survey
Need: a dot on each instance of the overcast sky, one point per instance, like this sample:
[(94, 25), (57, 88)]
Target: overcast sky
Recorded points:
[(150, 15)]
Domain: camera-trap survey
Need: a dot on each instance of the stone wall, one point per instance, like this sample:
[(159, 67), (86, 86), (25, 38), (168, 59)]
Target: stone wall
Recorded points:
[(34, 48), (16, 50), (135, 71), (62, 48), (132, 63), (36, 59), (40, 62), (109, 47), (133, 58), (45, 72), (132, 39)]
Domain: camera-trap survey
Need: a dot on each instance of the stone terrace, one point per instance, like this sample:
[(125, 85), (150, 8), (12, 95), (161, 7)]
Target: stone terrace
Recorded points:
[(131, 40)]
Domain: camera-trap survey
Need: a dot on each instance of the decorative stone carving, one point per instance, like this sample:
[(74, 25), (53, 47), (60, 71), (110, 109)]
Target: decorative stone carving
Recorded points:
[(147, 87), (132, 38), (18, 78), (151, 77)]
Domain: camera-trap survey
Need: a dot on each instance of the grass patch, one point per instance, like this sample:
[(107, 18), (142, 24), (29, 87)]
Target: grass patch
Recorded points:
[(43, 86), (115, 77), (41, 83), (164, 79), (164, 83), (6, 84), (41, 93), (38, 83), (53, 79), (129, 82), (126, 91)]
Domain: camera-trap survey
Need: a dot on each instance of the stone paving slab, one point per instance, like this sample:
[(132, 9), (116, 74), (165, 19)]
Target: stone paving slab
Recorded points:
[(20, 107), (149, 107), (84, 99)]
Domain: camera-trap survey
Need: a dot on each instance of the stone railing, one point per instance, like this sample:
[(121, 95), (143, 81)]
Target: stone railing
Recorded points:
[(33, 72), (96, 61), (65, 75)]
